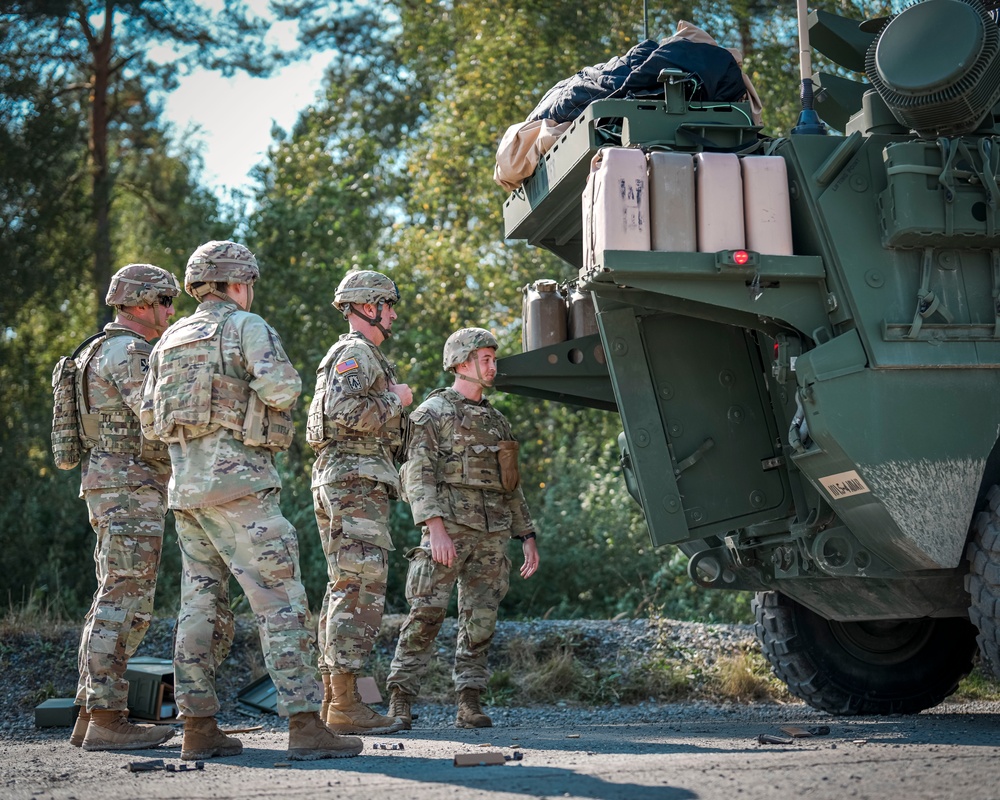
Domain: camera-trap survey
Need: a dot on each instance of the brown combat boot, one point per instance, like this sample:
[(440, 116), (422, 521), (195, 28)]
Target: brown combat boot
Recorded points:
[(80, 728), (203, 739), (470, 713), (111, 730), (399, 707), (347, 714), (327, 696), (309, 739)]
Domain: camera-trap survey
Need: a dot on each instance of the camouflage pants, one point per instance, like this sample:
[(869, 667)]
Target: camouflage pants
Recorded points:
[(128, 522), (251, 539), (482, 571), (353, 519)]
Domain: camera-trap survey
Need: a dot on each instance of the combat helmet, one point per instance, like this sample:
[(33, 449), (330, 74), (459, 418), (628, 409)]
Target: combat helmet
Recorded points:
[(463, 343), (140, 285), (364, 286), (219, 262)]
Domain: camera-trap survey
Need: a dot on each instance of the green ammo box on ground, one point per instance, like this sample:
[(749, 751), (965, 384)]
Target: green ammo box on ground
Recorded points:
[(56, 712), (151, 688)]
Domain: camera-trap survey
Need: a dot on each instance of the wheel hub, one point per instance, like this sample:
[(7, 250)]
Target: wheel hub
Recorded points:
[(883, 641)]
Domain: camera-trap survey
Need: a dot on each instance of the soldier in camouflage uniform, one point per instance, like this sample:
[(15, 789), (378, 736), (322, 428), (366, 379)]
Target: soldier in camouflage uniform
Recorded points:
[(219, 390), (355, 426), (462, 483), (124, 481)]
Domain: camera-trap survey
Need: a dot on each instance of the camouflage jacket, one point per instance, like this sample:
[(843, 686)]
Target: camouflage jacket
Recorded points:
[(217, 468), (354, 420), (437, 428), (111, 385)]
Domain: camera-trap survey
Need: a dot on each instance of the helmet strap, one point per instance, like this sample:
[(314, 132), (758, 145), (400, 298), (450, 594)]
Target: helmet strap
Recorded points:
[(478, 380), (375, 321), (157, 327)]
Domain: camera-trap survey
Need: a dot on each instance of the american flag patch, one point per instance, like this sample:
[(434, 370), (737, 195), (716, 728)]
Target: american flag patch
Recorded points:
[(347, 366)]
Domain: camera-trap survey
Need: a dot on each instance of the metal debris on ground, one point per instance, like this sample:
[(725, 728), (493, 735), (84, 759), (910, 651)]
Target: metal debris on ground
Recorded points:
[(282, 763), (517, 755), (380, 746), (768, 738), (251, 729), (186, 767), (572, 736), (479, 759), (797, 732), (144, 766)]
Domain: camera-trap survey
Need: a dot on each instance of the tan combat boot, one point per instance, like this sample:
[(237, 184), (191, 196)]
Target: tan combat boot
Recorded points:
[(203, 739), (470, 713), (327, 696), (111, 730), (347, 714), (399, 707), (309, 739), (80, 728)]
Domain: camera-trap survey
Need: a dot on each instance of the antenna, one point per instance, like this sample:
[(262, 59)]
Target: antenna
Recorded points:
[(645, 21), (809, 121)]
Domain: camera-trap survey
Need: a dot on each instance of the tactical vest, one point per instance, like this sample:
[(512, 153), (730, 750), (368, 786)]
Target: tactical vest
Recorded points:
[(193, 397), (321, 431), (473, 461), (113, 429)]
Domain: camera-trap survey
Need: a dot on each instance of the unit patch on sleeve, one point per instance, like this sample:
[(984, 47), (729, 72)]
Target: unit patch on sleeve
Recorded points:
[(347, 365)]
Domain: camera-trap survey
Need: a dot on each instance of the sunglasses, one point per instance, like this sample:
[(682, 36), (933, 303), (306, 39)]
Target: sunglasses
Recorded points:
[(165, 301)]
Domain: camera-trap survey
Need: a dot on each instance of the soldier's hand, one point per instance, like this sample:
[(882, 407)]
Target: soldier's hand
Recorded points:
[(530, 550), (442, 547), (402, 391)]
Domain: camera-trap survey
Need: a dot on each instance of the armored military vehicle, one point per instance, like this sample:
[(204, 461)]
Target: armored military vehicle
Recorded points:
[(815, 420)]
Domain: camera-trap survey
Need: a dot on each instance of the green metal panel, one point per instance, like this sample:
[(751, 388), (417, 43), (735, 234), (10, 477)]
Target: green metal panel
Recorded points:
[(839, 39), (723, 443), (574, 371), (637, 400), (699, 432), (792, 288)]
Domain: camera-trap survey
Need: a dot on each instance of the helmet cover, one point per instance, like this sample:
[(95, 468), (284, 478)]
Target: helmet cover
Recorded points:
[(364, 286), (140, 285), (220, 262), (463, 343)]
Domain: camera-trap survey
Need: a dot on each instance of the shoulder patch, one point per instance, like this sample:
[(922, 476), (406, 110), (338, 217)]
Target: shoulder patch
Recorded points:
[(346, 365)]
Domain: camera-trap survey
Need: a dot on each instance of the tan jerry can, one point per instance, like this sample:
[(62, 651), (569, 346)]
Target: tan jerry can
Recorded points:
[(766, 206), (619, 203), (672, 202), (719, 189)]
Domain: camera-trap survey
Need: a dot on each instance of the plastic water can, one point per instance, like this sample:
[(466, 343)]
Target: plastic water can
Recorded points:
[(619, 202), (766, 206), (719, 188), (672, 202)]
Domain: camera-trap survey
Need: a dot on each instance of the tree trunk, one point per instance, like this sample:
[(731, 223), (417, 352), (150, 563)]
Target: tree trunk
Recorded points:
[(101, 179)]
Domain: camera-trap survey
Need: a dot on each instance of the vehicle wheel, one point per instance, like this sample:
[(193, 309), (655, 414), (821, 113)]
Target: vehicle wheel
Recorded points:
[(878, 667), (983, 581)]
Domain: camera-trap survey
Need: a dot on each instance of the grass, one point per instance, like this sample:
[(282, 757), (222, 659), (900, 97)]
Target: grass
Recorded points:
[(746, 677), (562, 666), (977, 686)]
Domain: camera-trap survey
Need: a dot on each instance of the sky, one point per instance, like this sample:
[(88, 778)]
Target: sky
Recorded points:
[(230, 154)]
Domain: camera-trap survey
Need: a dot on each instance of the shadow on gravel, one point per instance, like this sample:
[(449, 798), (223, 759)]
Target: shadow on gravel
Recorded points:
[(531, 781)]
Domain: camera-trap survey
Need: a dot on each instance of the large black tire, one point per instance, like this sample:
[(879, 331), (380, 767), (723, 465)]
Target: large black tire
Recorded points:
[(983, 581), (883, 667)]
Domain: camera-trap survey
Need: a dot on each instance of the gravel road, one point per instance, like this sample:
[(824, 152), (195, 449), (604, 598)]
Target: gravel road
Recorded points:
[(661, 751), (664, 750)]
